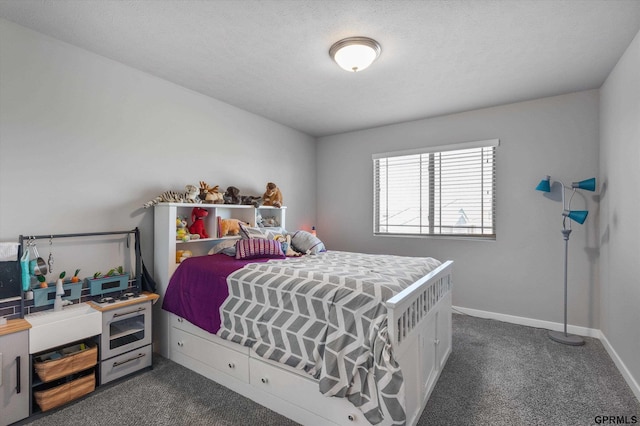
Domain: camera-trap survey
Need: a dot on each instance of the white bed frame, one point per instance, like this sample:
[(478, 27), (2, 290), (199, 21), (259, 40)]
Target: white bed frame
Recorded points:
[(419, 327)]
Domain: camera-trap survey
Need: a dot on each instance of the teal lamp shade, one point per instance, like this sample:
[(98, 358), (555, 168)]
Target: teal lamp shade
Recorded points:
[(544, 185), (576, 215), (587, 184)]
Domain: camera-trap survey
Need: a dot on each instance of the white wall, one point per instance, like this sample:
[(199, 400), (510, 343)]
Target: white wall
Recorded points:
[(521, 273), (85, 141), (619, 222)]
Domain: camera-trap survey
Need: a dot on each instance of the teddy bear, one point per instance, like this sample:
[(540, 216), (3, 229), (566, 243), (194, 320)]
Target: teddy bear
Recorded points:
[(229, 227), (272, 196), (197, 218)]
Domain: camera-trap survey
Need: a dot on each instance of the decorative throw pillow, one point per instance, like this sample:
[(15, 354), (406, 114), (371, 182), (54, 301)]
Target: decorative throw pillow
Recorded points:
[(257, 248), (306, 242), (248, 232), (227, 247)]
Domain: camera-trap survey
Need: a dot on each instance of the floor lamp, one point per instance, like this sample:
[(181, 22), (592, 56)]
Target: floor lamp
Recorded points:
[(567, 216)]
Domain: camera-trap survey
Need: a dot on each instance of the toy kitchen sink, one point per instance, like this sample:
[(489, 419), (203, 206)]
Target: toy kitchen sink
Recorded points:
[(55, 328)]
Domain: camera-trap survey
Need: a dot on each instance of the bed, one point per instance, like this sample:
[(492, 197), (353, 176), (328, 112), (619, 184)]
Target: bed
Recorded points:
[(331, 338)]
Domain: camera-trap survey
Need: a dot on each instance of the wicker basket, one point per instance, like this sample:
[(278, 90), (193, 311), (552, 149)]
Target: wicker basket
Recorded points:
[(74, 359), (60, 395)]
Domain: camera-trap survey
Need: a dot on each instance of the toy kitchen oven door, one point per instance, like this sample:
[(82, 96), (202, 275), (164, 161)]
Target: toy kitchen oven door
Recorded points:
[(125, 344)]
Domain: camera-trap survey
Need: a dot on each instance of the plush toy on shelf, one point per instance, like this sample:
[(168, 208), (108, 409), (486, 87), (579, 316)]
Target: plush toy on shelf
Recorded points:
[(229, 227), (189, 196), (182, 232), (197, 218), (211, 194), (181, 255), (272, 196), (232, 196)]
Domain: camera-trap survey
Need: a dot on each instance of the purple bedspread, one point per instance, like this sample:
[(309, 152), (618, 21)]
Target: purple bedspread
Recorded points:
[(198, 288)]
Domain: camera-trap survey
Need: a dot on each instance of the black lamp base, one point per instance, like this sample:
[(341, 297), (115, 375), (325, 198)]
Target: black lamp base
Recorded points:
[(566, 339)]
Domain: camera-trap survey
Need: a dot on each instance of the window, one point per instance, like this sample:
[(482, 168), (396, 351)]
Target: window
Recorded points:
[(446, 190)]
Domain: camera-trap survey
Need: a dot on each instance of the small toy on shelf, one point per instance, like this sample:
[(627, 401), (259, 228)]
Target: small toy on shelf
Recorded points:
[(229, 227), (112, 272), (189, 196), (75, 278), (181, 255), (269, 222), (272, 196), (197, 217), (43, 281), (182, 232), (211, 194), (232, 196)]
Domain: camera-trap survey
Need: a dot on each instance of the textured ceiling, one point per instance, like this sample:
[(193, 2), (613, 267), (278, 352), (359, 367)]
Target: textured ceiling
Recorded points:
[(270, 57)]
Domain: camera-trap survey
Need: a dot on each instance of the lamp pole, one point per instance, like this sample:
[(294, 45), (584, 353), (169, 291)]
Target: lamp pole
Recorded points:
[(564, 337), (578, 216)]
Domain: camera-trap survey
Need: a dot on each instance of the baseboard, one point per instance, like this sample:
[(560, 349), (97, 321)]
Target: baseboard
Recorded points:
[(529, 322), (581, 331), (633, 384)]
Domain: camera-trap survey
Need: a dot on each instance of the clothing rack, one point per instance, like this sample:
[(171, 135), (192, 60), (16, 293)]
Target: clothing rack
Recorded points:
[(138, 257)]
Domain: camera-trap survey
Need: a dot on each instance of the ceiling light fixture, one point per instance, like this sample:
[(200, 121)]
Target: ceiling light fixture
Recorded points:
[(355, 53)]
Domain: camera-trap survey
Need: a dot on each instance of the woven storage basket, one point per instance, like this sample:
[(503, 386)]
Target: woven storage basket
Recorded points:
[(60, 395), (70, 363)]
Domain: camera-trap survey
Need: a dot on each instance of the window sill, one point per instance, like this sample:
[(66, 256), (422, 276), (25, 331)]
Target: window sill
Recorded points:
[(439, 237)]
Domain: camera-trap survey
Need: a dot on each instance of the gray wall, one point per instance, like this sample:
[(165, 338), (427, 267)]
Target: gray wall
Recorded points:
[(521, 272), (85, 141), (619, 224)]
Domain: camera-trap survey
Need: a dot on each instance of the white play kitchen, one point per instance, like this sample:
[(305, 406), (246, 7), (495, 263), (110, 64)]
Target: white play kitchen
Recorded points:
[(73, 334)]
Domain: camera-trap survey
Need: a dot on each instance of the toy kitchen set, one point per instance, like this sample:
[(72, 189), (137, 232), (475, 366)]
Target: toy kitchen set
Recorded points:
[(73, 334)]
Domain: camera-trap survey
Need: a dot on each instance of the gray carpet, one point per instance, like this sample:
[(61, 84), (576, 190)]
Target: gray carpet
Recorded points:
[(498, 374)]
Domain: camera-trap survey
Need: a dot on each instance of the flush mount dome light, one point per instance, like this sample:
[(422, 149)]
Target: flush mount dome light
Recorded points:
[(355, 53)]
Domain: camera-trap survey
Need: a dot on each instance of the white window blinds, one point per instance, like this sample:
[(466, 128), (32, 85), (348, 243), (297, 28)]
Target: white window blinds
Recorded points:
[(446, 190)]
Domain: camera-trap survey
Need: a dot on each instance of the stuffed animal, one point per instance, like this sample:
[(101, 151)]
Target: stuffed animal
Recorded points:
[(232, 196), (269, 221), (229, 227), (211, 194), (251, 200), (287, 249), (272, 196), (197, 218), (189, 196), (182, 233), (181, 255)]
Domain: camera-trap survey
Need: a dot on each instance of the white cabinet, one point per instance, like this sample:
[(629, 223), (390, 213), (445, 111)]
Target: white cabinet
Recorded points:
[(14, 376), (166, 245)]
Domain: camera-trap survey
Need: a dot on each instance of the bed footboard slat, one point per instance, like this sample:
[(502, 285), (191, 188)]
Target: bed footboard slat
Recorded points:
[(409, 308)]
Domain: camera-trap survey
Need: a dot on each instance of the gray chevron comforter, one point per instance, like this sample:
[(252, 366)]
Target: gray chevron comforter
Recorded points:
[(325, 314)]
